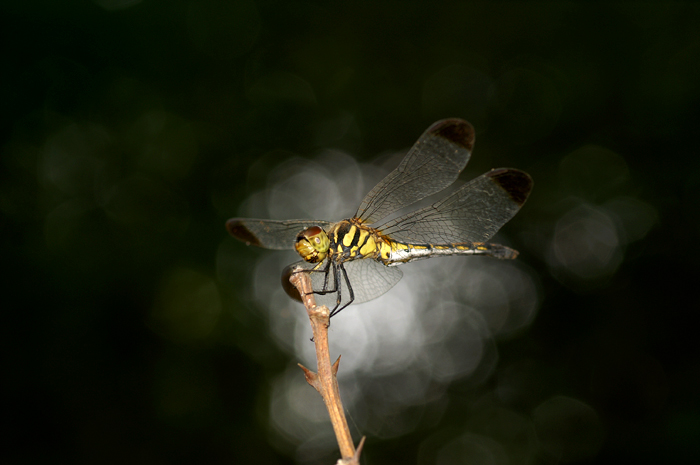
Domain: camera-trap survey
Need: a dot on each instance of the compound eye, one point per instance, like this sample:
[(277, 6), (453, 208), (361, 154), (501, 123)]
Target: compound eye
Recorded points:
[(308, 234), (313, 231), (315, 235)]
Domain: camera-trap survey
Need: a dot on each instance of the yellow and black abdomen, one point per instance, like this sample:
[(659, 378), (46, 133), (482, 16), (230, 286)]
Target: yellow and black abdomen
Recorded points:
[(400, 252)]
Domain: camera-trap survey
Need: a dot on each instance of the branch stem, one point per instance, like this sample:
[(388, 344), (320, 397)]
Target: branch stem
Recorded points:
[(325, 380)]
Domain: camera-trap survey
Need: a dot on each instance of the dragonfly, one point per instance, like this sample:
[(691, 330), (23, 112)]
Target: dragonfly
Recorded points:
[(355, 260)]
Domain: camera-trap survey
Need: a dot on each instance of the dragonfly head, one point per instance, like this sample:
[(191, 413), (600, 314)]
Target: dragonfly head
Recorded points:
[(312, 244)]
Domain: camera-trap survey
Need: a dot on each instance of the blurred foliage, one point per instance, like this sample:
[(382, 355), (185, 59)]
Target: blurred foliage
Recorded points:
[(131, 129)]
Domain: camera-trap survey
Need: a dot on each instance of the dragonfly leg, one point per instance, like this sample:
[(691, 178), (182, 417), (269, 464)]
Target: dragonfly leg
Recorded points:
[(326, 271), (338, 295), (325, 278), (332, 267), (337, 310)]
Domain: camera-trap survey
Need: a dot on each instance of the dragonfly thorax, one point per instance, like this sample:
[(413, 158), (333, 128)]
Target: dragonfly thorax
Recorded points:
[(312, 244), (351, 240)]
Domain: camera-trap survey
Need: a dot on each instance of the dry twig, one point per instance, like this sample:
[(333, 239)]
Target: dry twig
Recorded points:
[(325, 381)]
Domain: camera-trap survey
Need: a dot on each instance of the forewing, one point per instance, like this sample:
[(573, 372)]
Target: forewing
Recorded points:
[(270, 234), (473, 213), (432, 164)]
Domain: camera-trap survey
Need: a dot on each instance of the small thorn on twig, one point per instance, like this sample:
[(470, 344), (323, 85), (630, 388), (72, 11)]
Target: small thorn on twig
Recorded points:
[(358, 451), (335, 366), (355, 459), (311, 377)]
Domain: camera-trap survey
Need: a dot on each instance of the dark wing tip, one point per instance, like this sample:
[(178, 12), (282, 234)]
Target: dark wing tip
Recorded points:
[(456, 131), (516, 183), (237, 228)]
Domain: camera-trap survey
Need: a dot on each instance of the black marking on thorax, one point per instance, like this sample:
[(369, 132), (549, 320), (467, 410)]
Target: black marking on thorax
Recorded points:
[(339, 233), (337, 240)]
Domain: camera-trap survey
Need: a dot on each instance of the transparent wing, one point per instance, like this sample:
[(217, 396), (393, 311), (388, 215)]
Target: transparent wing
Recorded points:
[(369, 279), (270, 234), (473, 213), (432, 164)]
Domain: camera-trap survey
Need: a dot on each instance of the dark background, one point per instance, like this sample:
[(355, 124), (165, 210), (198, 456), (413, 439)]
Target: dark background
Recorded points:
[(131, 130)]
